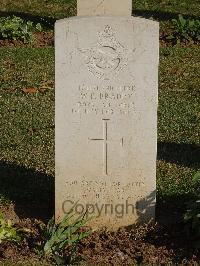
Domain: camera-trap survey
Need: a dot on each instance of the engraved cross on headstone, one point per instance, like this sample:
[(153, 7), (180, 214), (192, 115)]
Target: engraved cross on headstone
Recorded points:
[(105, 145), (104, 7)]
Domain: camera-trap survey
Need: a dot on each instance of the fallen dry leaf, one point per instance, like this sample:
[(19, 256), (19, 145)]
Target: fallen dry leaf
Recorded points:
[(30, 90)]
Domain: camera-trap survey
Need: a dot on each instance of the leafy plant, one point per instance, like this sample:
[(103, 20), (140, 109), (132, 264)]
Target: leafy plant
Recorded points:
[(192, 216), (67, 233), (186, 30), (14, 28), (7, 231)]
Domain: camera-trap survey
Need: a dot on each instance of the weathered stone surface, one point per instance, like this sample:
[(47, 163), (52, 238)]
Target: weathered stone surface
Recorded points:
[(106, 118), (104, 7)]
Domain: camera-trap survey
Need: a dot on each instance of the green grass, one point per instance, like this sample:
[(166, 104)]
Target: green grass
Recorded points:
[(178, 126), (179, 99), (28, 119), (50, 8), (27, 124), (187, 7)]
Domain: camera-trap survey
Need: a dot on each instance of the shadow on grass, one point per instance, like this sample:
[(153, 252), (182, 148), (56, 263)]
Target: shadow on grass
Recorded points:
[(177, 240), (48, 22), (170, 208), (31, 192), (160, 15), (182, 154), (170, 232)]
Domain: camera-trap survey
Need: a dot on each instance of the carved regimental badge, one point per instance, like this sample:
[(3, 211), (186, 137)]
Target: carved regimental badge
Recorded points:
[(107, 57)]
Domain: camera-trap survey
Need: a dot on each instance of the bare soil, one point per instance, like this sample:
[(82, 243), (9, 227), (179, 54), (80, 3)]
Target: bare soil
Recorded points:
[(152, 244), (147, 245), (41, 39)]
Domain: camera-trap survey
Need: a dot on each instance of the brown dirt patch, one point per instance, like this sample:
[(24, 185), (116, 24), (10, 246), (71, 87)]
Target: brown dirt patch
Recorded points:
[(142, 245), (25, 250), (165, 42), (42, 39), (148, 245)]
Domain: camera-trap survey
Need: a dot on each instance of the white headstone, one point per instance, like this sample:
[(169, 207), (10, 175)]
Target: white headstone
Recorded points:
[(106, 118), (104, 7)]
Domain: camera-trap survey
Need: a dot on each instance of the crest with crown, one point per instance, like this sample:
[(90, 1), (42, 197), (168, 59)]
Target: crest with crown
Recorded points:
[(107, 57)]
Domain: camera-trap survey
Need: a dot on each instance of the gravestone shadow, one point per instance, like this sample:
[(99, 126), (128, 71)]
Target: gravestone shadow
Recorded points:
[(160, 15), (169, 208), (180, 153), (170, 230), (145, 208), (50, 21), (31, 192)]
